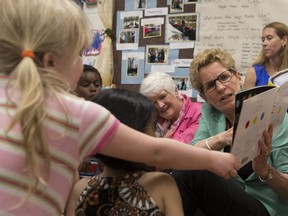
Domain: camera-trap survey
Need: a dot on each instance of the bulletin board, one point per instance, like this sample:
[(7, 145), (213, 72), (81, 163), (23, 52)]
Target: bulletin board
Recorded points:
[(232, 25), (146, 31)]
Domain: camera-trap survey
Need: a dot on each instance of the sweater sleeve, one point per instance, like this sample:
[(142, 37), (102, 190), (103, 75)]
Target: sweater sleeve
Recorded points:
[(97, 126)]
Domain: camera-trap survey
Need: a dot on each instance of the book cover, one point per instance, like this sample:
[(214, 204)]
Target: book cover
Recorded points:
[(255, 109)]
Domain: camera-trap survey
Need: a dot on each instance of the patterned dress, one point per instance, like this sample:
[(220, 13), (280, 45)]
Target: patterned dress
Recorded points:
[(122, 195)]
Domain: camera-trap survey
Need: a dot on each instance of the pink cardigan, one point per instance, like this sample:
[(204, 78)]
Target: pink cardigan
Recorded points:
[(187, 122)]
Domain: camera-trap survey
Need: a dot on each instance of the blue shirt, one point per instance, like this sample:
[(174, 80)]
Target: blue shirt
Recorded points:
[(262, 75)]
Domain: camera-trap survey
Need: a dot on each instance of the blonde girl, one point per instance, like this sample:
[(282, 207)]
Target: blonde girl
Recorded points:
[(45, 132)]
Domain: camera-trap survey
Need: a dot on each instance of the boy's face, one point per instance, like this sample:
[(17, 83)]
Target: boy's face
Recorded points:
[(88, 85)]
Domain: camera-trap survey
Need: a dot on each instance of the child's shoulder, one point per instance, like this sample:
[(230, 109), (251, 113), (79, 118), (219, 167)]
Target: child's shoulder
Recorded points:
[(158, 177)]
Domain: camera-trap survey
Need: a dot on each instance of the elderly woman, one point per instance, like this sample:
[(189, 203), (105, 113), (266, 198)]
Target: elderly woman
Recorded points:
[(179, 116), (261, 187)]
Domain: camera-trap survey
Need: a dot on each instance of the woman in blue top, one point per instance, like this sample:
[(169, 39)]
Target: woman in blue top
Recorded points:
[(273, 56)]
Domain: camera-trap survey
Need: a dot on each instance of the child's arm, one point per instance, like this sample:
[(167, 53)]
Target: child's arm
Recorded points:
[(132, 145)]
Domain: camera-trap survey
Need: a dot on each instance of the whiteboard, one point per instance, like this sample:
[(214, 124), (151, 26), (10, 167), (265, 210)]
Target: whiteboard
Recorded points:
[(236, 25)]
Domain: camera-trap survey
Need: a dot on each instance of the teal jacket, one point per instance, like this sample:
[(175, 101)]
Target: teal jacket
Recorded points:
[(213, 122)]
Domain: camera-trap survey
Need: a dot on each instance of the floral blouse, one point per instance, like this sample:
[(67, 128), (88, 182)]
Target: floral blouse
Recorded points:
[(121, 195)]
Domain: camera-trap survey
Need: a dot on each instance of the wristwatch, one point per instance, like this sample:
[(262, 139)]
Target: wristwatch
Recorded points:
[(269, 176)]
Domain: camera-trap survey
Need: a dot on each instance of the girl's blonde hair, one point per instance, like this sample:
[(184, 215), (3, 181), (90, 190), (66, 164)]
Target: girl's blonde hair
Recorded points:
[(282, 31), (56, 26)]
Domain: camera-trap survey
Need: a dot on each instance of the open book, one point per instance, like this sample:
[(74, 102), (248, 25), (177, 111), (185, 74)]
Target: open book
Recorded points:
[(279, 78), (255, 109)]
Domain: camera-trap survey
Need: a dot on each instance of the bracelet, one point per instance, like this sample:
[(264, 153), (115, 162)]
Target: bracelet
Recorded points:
[(206, 143), (269, 176)]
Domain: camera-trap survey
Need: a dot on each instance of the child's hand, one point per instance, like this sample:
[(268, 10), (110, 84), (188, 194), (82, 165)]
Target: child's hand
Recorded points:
[(224, 164)]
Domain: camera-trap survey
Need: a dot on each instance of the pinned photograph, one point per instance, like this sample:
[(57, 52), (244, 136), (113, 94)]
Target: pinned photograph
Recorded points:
[(176, 6), (157, 54), (91, 2), (127, 36), (182, 83), (131, 22), (151, 30), (140, 4), (182, 27), (190, 1), (132, 66)]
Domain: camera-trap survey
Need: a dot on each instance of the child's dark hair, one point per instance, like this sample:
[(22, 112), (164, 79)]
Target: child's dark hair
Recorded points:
[(92, 69), (132, 109)]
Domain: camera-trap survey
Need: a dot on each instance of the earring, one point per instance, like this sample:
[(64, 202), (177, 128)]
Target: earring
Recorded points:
[(241, 85)]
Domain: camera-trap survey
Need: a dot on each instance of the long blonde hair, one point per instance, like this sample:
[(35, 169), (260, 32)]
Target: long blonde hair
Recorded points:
[(57, 26), (281, 30)]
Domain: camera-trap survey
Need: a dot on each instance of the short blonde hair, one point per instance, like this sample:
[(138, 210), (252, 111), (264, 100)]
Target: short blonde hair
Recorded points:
[(205, 58)]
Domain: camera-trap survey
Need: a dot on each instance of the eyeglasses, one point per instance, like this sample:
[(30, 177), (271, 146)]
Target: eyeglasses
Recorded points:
[(224, 77)]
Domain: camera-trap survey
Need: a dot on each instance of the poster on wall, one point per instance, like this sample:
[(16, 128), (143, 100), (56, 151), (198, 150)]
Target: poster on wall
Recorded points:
[(237, 27), (97, 39), (91, 54)]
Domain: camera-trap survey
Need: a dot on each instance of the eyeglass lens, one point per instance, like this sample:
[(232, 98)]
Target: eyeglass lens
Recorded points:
[(224, 77)]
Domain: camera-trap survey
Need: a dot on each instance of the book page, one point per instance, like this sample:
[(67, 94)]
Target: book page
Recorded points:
[(279, 78), (280, 106), (241, 97), (255, 116)]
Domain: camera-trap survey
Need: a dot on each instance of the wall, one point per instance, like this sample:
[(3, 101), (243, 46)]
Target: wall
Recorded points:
[(233, 25), (182, 54)]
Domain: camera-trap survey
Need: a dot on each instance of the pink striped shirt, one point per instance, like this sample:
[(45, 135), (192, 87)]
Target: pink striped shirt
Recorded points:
[(85, 130)]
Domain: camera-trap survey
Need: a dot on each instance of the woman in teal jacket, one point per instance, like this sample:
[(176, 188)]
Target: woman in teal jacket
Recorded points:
[(261, 187)]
